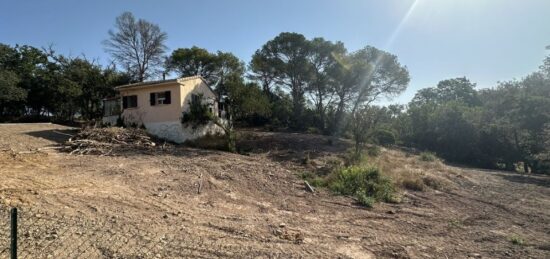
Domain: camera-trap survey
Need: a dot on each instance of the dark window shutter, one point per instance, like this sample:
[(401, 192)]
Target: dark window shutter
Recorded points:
[(152, 99), (134, 101), (124, 102), (168, 98)]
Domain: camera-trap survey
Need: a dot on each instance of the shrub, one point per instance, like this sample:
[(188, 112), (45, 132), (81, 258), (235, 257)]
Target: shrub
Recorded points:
[(373, 151), (414, 184), (432, 182), (364, 182), (313, 130), (364, 199), (313, 179), (384, 137), (428, 157), (353, 158)]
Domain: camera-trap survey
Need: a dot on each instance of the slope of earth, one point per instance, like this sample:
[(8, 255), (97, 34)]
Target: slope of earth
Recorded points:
[(204, 204)]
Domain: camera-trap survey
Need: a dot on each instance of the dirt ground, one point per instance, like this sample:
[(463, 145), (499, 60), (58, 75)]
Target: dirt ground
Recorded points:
[(254, 205)]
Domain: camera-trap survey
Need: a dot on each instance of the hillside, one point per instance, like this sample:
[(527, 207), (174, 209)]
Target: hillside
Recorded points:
[(146, 204)]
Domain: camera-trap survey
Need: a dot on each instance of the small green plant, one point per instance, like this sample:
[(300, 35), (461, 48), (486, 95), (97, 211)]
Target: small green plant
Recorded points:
[(362, 182), (313, 179), (354, 158), (373, 151), (306, 160), (455, 223), (364, 199), (198, 114), (517, 240), (428, 157)]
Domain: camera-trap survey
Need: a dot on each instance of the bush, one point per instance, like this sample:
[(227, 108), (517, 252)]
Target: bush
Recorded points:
[(432, 182), (373, 151), (428, 157), (365, 200), (362, 182), (314, 179), (384, 137), (313, 130), (415, 184)]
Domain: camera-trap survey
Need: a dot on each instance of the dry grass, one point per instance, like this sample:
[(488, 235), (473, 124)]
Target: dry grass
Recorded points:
[(409, 172)]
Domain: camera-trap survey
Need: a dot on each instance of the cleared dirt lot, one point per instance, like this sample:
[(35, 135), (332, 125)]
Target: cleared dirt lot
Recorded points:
[(146, 205)]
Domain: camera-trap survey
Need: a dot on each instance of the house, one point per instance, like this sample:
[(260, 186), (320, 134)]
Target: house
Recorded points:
[(159, 106)]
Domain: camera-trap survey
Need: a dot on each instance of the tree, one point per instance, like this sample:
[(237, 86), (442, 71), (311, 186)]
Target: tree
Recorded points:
[(288, 55), (374, 74), (193, 61), (262, 71), (11, 95), (229, 67), (366, 121), (213, 67), (248, 101), (138, 46), (323, 58), (456, 89)]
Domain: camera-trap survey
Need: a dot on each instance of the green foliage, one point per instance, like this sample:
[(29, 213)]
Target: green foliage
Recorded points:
[(364, 199), (428, 157), (373, 151), (517, 240), (198, 114), (384, 137), (364, 182), (215, 68), (314, 179), (39, 83), (495, 128), (249, 103), (11, 95), (455, 223)]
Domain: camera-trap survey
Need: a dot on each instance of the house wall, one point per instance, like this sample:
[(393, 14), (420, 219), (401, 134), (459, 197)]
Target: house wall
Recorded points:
[(164, 121), (144, 113), (196, 86)]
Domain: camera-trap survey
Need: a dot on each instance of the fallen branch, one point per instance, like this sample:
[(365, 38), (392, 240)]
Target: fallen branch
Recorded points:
[(309, 188)]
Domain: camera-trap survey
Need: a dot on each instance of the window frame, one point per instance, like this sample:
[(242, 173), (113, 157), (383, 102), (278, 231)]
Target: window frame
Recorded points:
[(127, 99), (155, 100)]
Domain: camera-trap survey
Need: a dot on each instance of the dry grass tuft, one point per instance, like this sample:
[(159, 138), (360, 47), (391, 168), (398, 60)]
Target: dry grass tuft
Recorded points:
[(412, 173)]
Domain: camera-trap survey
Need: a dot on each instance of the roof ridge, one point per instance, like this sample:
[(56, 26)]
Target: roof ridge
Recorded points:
[(178, 80)]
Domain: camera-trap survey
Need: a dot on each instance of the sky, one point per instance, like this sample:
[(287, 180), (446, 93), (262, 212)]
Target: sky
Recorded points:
[(485, 40)]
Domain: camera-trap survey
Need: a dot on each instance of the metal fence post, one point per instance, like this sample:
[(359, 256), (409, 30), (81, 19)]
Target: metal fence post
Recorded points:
[(13, 248)]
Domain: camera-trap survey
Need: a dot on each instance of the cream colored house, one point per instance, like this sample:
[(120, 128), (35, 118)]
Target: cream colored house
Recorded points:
[(159, 106)]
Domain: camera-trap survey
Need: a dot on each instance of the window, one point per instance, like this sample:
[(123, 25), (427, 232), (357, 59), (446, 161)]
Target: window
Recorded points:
[(160, 98), (195, 98), (111, 107), (129, 101)]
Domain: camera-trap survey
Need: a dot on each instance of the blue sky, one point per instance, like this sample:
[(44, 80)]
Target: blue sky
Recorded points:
[(484, 40)]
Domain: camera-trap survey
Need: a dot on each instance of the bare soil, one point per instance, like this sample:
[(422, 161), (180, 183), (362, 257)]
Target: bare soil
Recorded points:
[(255, 205)]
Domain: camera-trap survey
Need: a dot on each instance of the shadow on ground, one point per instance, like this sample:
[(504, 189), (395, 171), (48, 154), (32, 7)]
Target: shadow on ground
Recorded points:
[(58, 136), (540, 180)]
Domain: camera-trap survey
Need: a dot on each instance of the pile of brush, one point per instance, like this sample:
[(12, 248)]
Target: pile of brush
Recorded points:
[(108, 141)]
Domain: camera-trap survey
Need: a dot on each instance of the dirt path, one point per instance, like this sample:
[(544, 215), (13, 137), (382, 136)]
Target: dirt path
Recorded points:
[(251, 206)]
